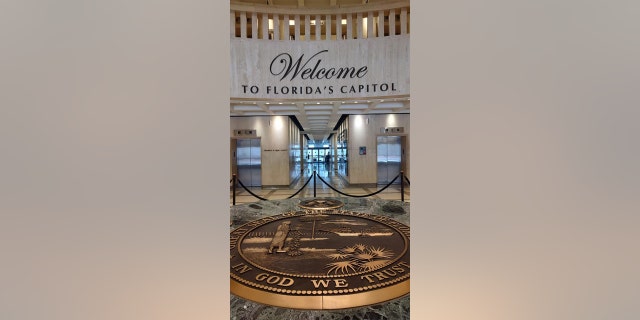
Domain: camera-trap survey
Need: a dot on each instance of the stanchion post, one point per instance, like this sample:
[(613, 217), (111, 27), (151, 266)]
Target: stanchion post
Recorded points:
[(234, 189), (314, 183), (402, 186)]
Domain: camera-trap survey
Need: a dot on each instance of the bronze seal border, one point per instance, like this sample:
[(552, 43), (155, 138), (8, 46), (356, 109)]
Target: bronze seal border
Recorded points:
[(269, 285)]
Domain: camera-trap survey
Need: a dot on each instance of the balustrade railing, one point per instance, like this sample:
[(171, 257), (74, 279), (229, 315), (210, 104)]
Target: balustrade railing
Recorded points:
[(266, 22)]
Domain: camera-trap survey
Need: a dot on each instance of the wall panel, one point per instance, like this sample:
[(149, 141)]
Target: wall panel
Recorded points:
[(259, 68)]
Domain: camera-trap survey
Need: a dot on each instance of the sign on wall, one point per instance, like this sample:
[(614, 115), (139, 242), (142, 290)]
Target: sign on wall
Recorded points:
[(269, 69)]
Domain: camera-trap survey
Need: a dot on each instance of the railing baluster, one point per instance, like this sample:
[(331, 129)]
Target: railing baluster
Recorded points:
[(370, 32), (359, 25), (349, 27), (265, 26), (307, 27), (243, 24), (254, 25), (403, 21), (392, 22), (276, 27), (285, 27), (297, 27), (318, 27), (338, 26), (327, 25), (232, 26), (380, 24)]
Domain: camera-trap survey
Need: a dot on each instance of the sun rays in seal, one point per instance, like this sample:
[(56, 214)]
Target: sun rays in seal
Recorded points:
[(358, 257)]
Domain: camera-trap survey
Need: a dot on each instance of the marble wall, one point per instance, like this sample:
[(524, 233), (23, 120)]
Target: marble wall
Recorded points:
[(274, 133), (363, 132), (309, 69)]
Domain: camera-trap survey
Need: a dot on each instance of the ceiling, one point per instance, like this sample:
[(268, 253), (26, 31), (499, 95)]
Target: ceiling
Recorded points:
[(318, 117)]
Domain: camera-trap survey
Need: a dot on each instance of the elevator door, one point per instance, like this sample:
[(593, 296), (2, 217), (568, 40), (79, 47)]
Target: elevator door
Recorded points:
[(389, 158), (249, 162)]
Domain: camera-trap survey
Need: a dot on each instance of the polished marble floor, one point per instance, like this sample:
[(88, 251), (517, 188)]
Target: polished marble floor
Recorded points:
[(329, 174)]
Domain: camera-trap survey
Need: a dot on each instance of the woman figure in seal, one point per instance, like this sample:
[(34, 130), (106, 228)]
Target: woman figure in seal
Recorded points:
[(280, 237)]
